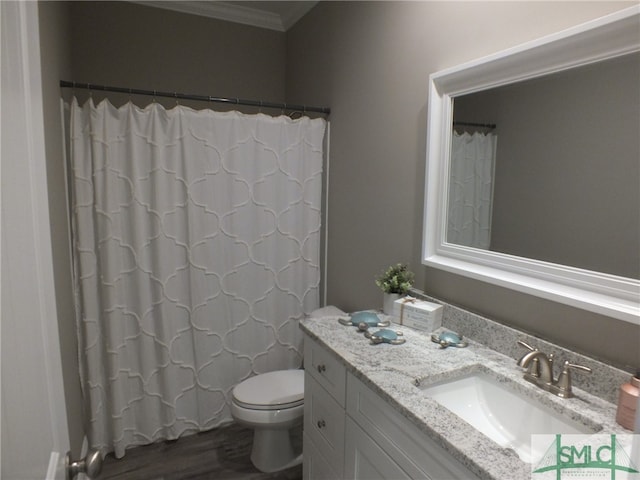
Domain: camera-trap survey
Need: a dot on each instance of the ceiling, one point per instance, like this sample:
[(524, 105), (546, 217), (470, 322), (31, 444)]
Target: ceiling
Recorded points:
[(269, 14)]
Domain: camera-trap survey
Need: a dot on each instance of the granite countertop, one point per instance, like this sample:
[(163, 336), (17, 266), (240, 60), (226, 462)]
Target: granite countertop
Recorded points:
[(393, 371)]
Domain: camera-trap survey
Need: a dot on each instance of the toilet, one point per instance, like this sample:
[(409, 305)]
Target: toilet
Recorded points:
[(272, 404)]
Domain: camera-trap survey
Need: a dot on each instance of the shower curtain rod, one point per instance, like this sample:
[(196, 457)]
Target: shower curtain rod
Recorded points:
[(472, 124), (201, 98)]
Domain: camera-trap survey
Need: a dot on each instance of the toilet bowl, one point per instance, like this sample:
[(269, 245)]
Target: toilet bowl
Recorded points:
[(272, 404)]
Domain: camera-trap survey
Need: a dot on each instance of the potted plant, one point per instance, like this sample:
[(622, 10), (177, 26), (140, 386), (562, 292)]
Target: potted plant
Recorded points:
[(394, 282)]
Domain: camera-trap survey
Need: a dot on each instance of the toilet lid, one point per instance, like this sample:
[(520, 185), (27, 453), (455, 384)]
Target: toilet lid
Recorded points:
[(271, 391)]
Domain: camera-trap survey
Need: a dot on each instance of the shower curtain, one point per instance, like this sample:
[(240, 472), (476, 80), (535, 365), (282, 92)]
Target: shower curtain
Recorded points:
[(471, 189), (196, 252)]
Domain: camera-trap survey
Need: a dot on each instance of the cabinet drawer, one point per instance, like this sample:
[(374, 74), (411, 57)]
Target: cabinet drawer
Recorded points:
[(324, 422), (411, 449), (366, 460), (326, 369), (315, 466)]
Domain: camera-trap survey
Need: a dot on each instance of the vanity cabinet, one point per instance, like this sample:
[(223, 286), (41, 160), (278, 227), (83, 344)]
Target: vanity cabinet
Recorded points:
[(381, 443), (367, 459), (350, 432), (324, 413)]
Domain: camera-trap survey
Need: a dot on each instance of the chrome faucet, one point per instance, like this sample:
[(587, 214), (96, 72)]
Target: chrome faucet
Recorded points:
[(539, 367)]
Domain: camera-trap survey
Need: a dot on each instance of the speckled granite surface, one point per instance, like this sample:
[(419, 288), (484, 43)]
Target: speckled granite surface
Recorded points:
[(392, 371), (603, 382)]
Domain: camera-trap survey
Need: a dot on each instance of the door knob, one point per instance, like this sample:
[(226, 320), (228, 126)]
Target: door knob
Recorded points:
[(91, 465)]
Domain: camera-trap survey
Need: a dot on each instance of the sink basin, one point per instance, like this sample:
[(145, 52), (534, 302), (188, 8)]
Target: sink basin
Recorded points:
[(506, 416)]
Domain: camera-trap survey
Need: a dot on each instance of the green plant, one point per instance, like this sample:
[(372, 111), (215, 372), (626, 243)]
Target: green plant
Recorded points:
[(397, 279)]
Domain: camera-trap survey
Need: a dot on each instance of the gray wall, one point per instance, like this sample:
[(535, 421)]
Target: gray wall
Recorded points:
[(122, 44), (130, 45), (56, 64), (370, 61)]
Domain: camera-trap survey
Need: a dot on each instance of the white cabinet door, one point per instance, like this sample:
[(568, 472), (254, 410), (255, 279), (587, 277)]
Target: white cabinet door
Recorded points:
[(324, 422), (315, 466), (325, 369), (35, 436), (365, 459)]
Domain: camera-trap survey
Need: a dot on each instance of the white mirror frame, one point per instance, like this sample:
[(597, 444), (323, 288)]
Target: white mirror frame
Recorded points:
[(608, 37)]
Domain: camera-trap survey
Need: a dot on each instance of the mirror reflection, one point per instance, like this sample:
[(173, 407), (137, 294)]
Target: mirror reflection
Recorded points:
[(549, 168)]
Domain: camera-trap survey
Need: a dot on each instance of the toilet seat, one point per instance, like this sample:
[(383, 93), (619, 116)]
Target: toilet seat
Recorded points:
[(271, 391)]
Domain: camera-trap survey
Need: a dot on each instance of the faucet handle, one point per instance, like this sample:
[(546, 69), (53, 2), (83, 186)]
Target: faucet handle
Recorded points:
[(564, 379), (527, 346)]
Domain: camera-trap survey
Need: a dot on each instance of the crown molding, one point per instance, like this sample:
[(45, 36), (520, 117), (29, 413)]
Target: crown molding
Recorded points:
[(296, 12), (233, 12)]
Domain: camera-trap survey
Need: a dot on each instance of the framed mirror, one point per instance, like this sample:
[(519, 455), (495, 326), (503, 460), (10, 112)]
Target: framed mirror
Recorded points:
[(514, 249)]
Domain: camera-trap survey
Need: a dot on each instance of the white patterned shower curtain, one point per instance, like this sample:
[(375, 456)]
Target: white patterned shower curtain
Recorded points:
[(471, 189), (196, 251)]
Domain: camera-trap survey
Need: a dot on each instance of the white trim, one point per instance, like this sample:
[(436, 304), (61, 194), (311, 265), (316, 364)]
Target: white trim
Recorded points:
[(64, 115), (43, 255), (607, 37), (326, 215), (295, 12), (57, 466), (84, 451), (33, 395), (232, 12)]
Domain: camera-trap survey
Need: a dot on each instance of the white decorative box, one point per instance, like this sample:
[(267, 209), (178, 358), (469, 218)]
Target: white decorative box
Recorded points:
[(418, 314)]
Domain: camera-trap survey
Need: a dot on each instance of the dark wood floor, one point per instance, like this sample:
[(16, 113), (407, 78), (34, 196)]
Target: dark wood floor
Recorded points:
[(221, 454)]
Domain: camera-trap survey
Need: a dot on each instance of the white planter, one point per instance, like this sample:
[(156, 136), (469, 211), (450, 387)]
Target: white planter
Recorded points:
[(388, 300)]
